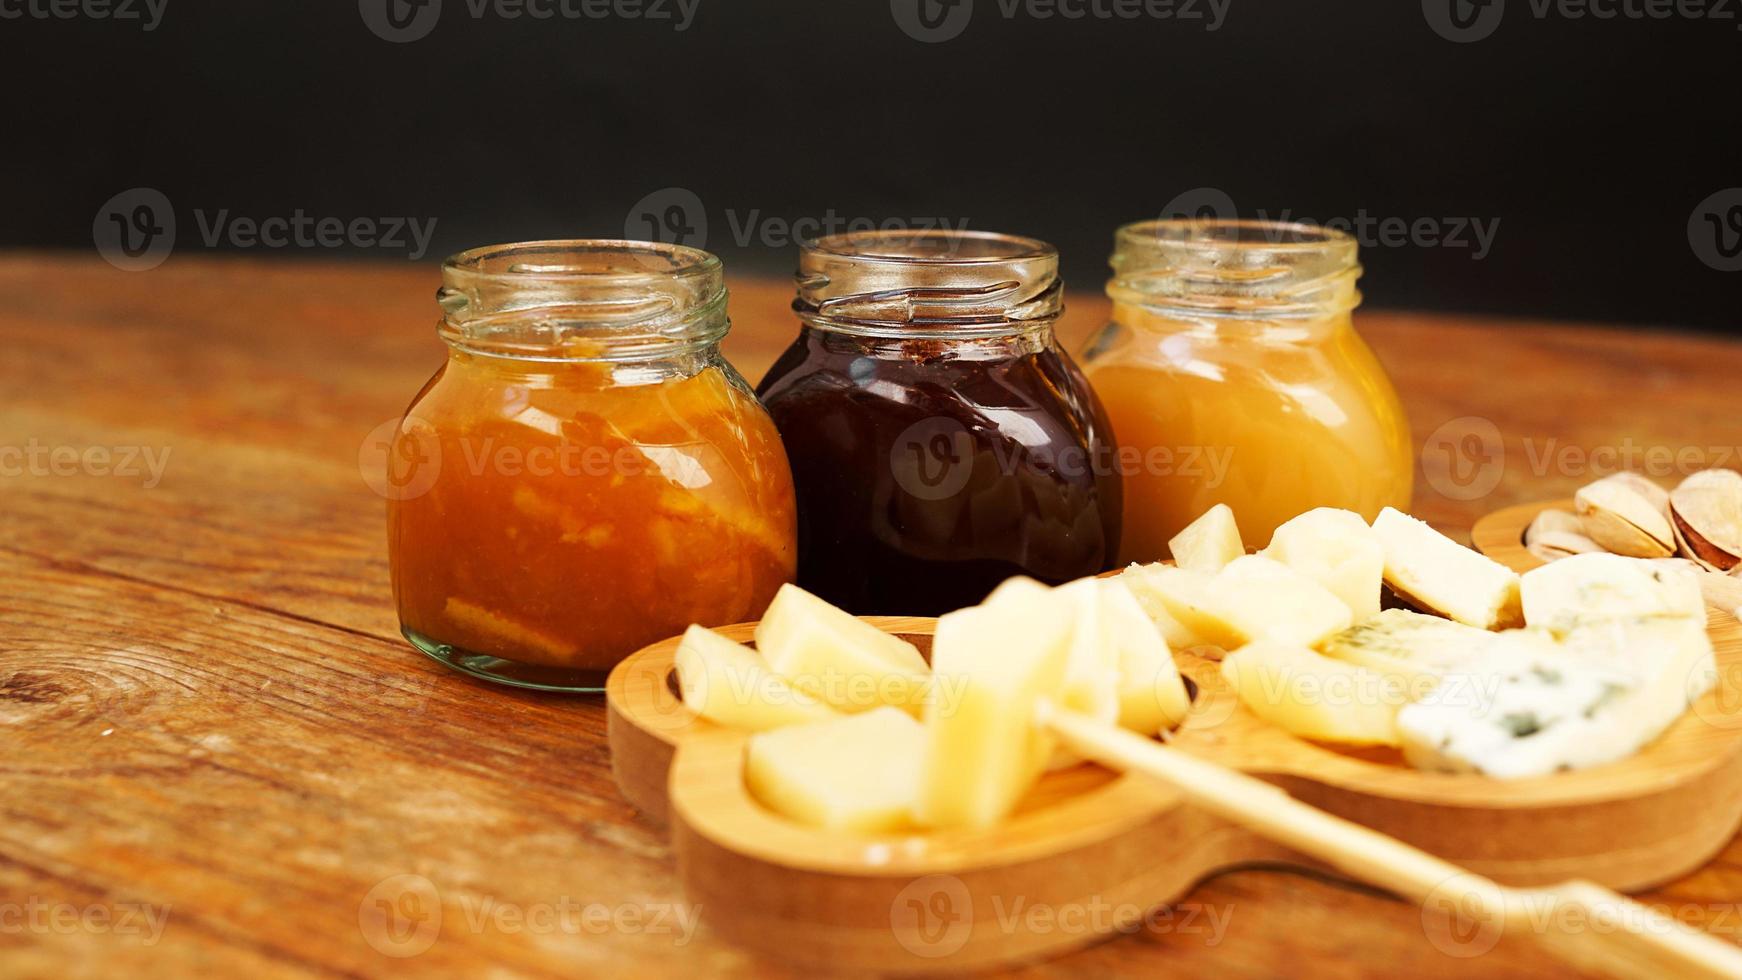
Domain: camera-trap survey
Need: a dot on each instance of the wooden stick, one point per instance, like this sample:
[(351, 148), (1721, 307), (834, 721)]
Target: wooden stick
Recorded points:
[(1618, 937)]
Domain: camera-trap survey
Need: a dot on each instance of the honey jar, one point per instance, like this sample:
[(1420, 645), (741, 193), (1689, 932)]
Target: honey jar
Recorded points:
[(585, 474), (1233, 374)]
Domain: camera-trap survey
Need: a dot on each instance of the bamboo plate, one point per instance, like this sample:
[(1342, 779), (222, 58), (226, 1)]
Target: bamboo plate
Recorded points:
[(1104, 848)]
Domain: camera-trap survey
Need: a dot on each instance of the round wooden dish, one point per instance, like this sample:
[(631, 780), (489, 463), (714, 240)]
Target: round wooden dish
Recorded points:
[(1103, 848)]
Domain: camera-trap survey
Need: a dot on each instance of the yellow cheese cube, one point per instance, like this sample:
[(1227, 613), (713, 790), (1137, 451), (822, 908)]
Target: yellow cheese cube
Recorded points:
[(1433, 572), (854, 772), (1336, 549), (1315, 697), (1152, 696), (727, 683), (838, 658), (1208, 543), (991, 666), (1252, 598)]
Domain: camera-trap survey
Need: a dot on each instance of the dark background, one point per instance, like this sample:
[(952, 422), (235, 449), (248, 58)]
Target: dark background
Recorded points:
[(1591, 141)]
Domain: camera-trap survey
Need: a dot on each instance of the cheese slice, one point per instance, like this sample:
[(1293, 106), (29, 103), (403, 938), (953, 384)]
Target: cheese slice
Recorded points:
[(1251, 598), (1336, 549), (1208, 543), (1560, 595), (1433, 572), (851, 773), (1313, 696), (838, 658), (727, 683), (991, 666), (1420, 648), (1091, 682), (1152, 695), (1599, 698)]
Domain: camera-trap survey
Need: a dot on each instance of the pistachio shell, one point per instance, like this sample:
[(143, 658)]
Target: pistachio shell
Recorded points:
[(1555, 522), (1621, 513), (1706, 513), (1555, 545)]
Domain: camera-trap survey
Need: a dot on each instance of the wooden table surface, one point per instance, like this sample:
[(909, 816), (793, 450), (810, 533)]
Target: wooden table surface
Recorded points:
[(220, 757)]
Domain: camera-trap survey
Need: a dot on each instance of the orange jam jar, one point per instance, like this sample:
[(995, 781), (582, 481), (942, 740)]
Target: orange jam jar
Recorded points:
[(1233, 374), (586, 474)]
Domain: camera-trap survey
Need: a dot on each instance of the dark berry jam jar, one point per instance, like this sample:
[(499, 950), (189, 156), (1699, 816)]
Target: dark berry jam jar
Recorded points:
[(940, 439)]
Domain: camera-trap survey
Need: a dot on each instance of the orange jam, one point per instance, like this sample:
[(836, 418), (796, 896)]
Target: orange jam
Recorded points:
[(554, 514)]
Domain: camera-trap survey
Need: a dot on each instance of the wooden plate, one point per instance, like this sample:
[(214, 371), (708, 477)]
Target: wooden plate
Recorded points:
[(1094, 851)]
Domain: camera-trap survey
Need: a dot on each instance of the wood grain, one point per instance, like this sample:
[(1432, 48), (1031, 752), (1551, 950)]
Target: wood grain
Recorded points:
[(275, 751)]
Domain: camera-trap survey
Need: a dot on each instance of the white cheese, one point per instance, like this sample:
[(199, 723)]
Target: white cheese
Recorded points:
[(1433, 572), (1560, 595)]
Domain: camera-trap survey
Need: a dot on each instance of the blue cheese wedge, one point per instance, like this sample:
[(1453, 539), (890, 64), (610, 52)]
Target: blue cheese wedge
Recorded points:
[(1420, 648), (1602, 695), (1561, 595), (1431, 571)]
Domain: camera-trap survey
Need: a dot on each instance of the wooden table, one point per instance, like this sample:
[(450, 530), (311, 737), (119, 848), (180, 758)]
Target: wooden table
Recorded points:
[(221, 758)]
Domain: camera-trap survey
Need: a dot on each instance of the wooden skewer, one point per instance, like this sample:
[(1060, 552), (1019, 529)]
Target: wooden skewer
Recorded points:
[(1624, 939)]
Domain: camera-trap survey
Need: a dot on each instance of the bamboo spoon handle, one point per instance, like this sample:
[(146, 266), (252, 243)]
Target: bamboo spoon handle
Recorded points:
[(1584, 924)]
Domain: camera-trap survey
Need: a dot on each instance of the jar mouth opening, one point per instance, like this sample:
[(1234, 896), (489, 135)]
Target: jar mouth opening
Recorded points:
[(582, 299), (930, 247), (1235, 268)]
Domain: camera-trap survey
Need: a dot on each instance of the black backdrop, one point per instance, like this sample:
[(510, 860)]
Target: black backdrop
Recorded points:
[(1593, 152)]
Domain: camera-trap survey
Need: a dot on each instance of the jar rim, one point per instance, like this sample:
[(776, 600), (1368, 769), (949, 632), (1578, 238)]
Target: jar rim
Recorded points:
[(591, 299), (1235, 268), (880, 244), (1221, 234)]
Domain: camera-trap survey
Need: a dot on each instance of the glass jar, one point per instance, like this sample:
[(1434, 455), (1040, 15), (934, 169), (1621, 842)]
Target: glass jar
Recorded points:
[(941, 441), (586, 474), (1233, 374)]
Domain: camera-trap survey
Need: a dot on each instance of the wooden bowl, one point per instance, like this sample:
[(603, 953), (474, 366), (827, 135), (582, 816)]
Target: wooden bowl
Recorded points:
[(1101, 849)]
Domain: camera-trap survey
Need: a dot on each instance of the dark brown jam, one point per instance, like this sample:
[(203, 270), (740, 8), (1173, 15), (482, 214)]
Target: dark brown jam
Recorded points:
[(928, 471)]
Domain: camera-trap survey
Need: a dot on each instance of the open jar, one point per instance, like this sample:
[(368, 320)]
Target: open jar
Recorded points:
[(940, 439), (1233, 374), (585, 474)]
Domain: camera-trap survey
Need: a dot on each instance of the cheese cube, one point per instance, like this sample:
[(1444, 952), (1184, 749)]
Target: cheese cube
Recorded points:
[(991, 666), (852, 773), (1560, 595), (1139, 580), (727, 683), (1336, 549), (1152, 695), (1251, 598), (1314, 696), (1208, 543), (1433, 572), (1091, 683), (838, 658), (1420, 648)]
